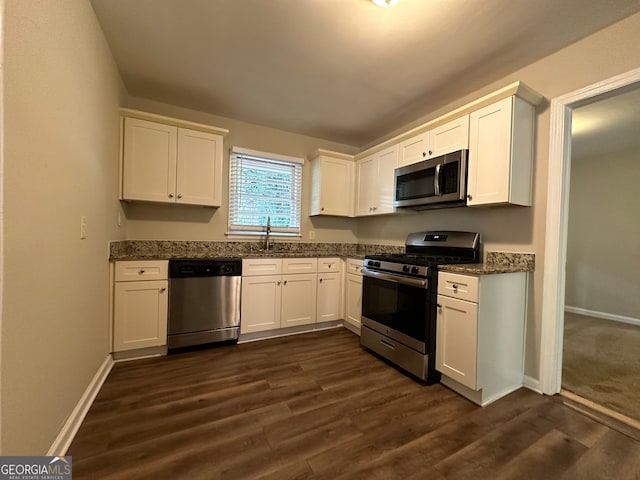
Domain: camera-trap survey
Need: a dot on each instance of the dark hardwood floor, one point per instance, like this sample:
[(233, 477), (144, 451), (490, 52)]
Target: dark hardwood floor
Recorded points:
[(317, 406)]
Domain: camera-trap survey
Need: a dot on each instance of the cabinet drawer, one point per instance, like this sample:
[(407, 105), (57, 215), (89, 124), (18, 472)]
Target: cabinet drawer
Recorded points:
[(354, 265), (299, 265), (454, 285), (133, 271), (261, 266), (329, 265)]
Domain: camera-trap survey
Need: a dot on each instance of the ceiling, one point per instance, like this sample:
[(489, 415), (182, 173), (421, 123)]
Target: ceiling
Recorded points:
[(341, 70)]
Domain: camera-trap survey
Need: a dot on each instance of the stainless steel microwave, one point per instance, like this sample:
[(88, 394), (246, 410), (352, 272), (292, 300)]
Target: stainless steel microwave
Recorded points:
[(435, 183)]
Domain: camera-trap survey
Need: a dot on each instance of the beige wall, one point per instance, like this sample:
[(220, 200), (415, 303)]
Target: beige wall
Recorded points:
[(196, 223), (603, 257), (61, 97)]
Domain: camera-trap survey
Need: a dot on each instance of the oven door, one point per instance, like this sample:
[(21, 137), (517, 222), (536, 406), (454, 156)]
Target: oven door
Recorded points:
[(397, 306)]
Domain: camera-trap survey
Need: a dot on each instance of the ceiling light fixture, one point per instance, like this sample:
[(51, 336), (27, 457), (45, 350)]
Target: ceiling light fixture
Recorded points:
[(385, 3)]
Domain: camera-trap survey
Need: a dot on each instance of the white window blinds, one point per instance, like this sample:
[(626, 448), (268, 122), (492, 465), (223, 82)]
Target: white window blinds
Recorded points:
[(263, 186)]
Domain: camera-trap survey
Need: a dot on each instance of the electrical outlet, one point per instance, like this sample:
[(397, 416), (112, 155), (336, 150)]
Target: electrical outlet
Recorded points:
[(83, 227), (312, 234)]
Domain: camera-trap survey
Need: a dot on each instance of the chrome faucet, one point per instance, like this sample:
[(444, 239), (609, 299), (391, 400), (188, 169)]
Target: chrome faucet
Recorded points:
[(267, 242)]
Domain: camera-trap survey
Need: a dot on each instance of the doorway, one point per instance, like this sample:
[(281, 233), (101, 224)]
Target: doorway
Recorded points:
[(600, 360), (557, 220)]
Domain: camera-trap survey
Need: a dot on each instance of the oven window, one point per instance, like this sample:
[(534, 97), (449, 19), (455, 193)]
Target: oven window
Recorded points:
[(401, 307)]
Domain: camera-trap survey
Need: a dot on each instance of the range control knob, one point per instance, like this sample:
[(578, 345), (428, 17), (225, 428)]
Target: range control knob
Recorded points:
[(414, 269), (406, 268), (375, 264)]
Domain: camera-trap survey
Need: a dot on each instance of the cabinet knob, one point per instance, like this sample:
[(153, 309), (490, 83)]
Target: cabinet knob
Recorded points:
[(141, 271), (322, 209), (439, 305), (279, 282), (285, 282), (454, 286), (162, 290), (171, 195), (469, 197), (179, 195), (430, 152), (424, 154), (320, 280)]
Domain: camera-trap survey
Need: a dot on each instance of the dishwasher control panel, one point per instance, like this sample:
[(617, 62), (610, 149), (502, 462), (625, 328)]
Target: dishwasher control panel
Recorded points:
[(216, 267)]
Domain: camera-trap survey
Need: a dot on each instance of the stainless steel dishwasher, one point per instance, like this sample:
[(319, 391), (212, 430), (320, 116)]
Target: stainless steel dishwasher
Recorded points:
[(204, 301)]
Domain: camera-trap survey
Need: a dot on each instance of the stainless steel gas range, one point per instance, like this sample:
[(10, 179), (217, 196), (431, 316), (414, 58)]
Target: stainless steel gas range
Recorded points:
[(399, 298)]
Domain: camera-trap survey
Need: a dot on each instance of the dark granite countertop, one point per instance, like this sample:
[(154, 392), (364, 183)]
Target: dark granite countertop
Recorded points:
[(495, 262)]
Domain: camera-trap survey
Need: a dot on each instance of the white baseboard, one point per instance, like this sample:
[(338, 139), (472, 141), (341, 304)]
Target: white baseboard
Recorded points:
[(70, 428), (532, 384), (603, 315)]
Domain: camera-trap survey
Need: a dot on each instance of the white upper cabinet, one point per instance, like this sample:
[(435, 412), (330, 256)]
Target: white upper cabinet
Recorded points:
[(149, 163), (199, 177), (375, 182), (164, 162), (446, 138), (332, 184), (501, 153)]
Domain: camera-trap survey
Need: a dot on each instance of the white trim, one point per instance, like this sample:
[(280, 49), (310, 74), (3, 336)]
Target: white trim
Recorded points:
[(2, 123), (602, 315), (266, 155), (70, 428), (531, 383), (153, 117), (556, 224)]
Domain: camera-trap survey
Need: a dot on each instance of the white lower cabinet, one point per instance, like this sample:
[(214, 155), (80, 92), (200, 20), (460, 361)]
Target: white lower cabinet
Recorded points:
[(329, 295), (298, 305), (480, 333), (260, 303), (278, 293), (140, 304), (353, 294)]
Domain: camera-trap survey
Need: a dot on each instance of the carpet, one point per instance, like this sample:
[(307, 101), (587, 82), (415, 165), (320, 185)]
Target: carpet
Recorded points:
[(601, 362)]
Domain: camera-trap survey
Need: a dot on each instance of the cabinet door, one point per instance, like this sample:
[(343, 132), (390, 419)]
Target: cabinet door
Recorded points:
[(413, 150), (457, 340), (450, 137), (260, 304), (387, 163), (140, 315), (149, 161), (336, 187), (353, 299), (329, 290), (298, 299), (490, 153), (367, 172), (199, 170)]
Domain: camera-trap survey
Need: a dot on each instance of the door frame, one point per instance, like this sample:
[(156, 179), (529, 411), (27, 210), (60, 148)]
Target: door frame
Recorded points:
[(555, 252)]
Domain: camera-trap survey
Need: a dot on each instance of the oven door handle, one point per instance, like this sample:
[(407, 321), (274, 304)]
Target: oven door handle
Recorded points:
[(413, 282)]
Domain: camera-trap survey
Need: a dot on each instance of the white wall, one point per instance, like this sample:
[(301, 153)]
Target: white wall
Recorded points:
[(603, 257), (146, 222), (61, 97)]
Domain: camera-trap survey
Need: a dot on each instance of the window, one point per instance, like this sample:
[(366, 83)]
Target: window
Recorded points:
[(264, 186)]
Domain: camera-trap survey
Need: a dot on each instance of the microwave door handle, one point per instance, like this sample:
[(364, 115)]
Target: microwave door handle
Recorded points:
[(436, 180)]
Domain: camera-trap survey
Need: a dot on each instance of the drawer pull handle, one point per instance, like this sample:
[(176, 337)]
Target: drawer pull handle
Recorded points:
[(388, 345)]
